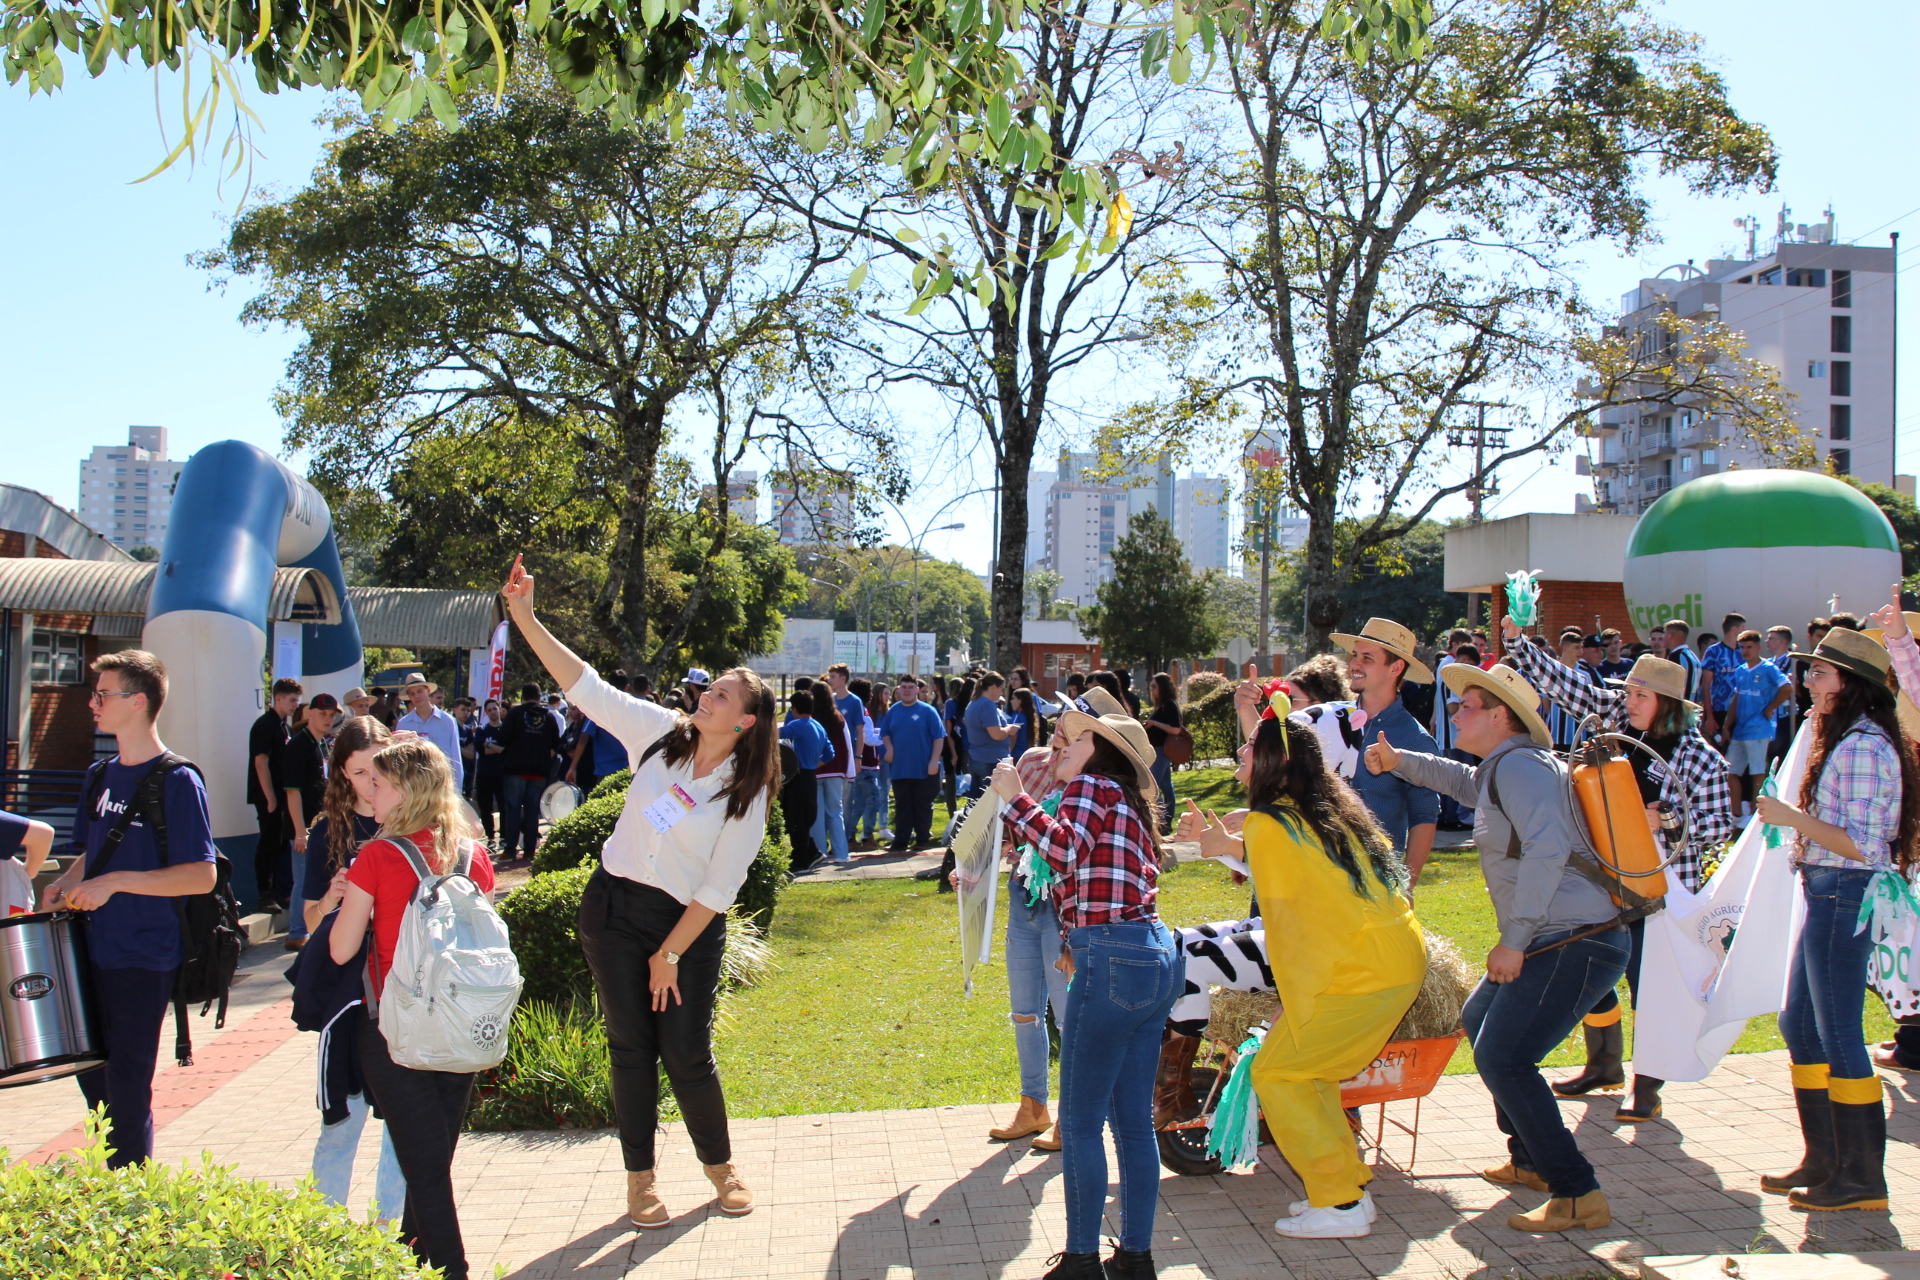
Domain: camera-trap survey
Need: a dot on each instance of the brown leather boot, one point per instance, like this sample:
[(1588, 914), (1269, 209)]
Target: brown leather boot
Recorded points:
[(1510, 1175), (1588, 1212), (1173, 1089), (644, 1209), (1030, 1119), (1048, 1141), (733, 1198)]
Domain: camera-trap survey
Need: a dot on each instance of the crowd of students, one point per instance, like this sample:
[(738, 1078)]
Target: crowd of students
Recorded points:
[(1345, 791)]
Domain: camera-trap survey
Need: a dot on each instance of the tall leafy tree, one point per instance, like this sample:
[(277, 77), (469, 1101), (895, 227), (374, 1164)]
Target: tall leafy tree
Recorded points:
[(1390, 257), (1155, 608), (539, 271)]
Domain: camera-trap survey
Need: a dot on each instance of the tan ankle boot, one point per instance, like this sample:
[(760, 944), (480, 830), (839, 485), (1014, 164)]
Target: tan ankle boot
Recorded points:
[(1048, 1141), (644, 1209), (732, 1195), (1588, 1212), (1030, 1118), (1509, 1175)]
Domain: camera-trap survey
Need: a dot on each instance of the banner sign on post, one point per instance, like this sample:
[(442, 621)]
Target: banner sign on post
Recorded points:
[(497, 661), (884, 652)]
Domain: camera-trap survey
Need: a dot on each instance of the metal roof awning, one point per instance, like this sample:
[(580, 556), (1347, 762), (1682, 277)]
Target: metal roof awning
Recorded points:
[(106, 590), (426, 617)]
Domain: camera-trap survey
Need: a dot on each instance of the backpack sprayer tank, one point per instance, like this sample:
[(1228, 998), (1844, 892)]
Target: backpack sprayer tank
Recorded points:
[(1608, 797)]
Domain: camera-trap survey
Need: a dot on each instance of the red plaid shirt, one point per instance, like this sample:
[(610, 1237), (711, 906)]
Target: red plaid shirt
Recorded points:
[(1100, 849)]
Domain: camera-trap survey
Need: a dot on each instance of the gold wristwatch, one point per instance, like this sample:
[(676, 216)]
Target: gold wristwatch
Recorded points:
[(671, 957)]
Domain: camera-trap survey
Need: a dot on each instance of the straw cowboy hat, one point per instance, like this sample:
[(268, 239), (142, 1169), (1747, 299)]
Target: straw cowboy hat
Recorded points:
[(1854, 652), (1656, 675), (1098, 702), (1122, 731), (414, 678), (1395, 639), (1506, 684), (1908, 714)]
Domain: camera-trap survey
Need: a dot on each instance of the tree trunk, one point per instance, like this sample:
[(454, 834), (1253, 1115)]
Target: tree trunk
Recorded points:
[(1324, 583), (1009, 595), (620, 608)]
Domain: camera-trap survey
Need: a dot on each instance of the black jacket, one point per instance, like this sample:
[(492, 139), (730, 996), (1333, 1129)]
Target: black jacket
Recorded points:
[(530, 736), (326, 998)]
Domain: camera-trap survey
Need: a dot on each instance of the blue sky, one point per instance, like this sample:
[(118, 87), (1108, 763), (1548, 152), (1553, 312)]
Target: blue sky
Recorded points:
[(106, 324)]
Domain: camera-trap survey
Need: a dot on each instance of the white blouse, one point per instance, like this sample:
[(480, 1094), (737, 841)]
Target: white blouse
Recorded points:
[(703, 857)]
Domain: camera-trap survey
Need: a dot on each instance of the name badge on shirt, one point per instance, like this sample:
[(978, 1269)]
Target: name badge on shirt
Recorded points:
[(673, 805)]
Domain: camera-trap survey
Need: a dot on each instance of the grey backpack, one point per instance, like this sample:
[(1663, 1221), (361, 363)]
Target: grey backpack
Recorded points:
[(454, 981)]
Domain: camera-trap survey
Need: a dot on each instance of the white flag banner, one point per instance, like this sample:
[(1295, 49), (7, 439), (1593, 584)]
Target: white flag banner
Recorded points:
[(974, 838), (1714, 959)]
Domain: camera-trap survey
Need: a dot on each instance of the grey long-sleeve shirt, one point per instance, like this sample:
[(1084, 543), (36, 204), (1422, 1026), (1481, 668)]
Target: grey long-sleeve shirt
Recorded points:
[(1537, 893)]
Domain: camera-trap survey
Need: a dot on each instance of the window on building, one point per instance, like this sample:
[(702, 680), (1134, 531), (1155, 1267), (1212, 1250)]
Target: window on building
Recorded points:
[(1840, 421), (1843, 288), (1707, 457), (1842, 333), (1770, 276), (1807, 277), (1744, 280), (1843, 377), (1686, 419), (1816, 368), (1842, 460), (1686, 462), (58, 657)]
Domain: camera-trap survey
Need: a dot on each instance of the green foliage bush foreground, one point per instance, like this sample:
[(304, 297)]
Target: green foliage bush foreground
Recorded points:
[(74, 1219)]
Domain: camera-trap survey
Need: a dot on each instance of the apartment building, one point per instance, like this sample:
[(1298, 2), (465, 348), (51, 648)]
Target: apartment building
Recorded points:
[(1820, 312), (1081, 516), (126, 491), (743, 495), (810, 510)]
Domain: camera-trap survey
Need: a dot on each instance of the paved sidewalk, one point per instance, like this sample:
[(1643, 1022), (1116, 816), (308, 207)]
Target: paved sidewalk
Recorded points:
[(923, 1194)]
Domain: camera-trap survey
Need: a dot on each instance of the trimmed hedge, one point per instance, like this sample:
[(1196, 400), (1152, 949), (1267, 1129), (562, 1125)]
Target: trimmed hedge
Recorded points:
[(543, 916), (74, 1219), (578, 837), (614, 784), (1215, 726)]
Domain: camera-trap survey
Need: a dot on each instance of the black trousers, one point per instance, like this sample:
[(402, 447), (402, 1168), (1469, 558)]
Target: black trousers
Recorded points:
[(131, 1005), (489, 797), (424, 1111), (622, 923), (799, 806), (273, 855), (913, 810)]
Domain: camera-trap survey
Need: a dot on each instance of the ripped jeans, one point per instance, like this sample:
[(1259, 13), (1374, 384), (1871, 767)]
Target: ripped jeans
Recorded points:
[(1033, 944)]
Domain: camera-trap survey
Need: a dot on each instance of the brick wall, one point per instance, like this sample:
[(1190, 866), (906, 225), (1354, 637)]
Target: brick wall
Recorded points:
[(1573, 604), (62, 727)]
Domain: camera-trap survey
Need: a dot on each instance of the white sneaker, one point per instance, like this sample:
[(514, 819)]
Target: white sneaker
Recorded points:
[(1367, 1206), (1326, 1224)]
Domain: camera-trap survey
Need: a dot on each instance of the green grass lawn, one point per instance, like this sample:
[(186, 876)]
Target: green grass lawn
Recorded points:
[(865, 1009)]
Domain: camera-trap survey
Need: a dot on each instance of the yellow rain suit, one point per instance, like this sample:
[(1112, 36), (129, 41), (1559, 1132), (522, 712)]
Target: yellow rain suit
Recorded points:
[(1346, 968)]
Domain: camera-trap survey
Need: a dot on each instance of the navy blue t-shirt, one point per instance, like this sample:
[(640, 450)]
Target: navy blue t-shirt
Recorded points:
[(13, 833), (136, 930), (808, 740), (607, 755), (319, 855)]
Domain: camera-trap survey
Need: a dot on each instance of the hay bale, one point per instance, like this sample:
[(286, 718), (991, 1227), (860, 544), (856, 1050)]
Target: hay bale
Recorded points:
[(1435, 1011), (1444, 992)]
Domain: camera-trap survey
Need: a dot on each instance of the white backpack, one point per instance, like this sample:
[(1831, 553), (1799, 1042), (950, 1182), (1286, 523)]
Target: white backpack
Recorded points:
[(454, 981)]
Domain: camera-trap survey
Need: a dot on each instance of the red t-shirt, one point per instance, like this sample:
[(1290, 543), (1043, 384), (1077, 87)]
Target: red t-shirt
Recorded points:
[(383, 871)]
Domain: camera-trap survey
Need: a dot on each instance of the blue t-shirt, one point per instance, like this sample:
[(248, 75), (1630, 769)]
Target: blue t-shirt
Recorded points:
[(607, 754), (1756, 686), (913, 729), (1686, 657), (1785, 663), (1397, 804), (1722, 661), (808, 740), (13, 833), (854, 712), (983, 714), (135, 930), (320, 857)]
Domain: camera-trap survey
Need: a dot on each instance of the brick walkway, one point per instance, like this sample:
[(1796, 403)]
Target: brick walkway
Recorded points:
[(922, 1194)]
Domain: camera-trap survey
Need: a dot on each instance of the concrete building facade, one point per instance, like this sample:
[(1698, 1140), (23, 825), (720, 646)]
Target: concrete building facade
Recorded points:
[(1079, 516), (126, 491), (810, 511), (1821, 313)]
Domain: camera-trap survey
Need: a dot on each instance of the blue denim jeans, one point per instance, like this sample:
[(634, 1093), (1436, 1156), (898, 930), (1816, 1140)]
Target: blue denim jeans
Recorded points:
[(866, 803), (1126, 977), (1512, 1025), (520, 815), (333, 1155), (1033, 944), (1827, 984), (829, 821)]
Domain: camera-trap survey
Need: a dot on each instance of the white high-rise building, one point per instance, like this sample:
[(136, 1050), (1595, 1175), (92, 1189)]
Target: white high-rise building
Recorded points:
[(1081, 518), (1821, 313), (743, 496), (816, 510), (1201, 520), (126, 491)]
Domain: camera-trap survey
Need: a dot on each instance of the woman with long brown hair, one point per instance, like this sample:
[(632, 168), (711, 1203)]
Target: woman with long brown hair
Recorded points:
[(1856, 819), (1329, 883), (1103, 846), (653, 917)]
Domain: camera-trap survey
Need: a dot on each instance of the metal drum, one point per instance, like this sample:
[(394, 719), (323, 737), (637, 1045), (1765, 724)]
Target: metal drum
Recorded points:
[(47, 1025)]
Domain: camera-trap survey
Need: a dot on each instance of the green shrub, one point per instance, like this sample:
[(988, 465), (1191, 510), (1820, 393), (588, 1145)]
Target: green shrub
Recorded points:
[(614, 784), (577, 838), (1215, 726), (1201, 684), (74, 1219), (555, 1074), (768, 874), (543, 919)]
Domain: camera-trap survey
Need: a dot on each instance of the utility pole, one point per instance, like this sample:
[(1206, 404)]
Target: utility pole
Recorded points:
[(1480, 438)]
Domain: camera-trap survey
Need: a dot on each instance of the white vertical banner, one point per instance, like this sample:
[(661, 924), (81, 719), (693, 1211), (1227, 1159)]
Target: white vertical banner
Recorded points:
[(287, 662), (479, 673), (497, 661)]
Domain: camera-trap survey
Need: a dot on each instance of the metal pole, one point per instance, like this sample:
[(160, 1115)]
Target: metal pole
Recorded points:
[(1266, 564), (1479, 460), (1893, 445)]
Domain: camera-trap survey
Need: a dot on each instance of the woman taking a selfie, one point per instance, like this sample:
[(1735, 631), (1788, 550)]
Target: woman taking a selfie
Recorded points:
[(653, 918)]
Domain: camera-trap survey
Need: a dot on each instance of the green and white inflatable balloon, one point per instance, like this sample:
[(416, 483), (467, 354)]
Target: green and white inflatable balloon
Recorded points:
[(1775, 545)]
